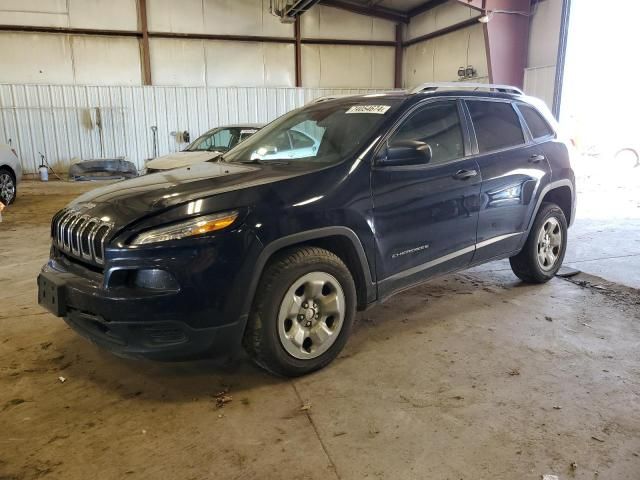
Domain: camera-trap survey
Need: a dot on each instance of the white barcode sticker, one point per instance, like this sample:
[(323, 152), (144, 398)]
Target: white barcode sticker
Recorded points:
[(244, 132), (379, 109)]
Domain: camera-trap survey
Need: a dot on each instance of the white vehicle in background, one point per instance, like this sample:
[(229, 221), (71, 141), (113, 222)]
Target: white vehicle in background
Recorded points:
[(290, 144), (206, 147), (10, 174)]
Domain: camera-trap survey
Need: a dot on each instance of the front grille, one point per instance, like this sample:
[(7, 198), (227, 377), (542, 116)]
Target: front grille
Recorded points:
[(80, 236)]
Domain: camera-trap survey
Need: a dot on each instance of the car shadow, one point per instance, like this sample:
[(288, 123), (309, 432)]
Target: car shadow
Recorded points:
[(78, 360)]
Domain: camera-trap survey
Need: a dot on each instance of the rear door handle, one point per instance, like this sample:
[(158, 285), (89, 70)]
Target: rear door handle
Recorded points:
[(536, 158), (465, 174)]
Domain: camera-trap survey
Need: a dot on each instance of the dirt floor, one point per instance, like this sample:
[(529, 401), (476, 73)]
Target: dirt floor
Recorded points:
[(474, 376)]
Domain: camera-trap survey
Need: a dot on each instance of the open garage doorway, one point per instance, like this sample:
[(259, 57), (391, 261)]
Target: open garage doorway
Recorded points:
[(599, 109)]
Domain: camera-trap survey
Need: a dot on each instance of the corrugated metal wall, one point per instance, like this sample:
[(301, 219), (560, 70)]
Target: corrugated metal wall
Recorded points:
[(61, 121), (540, 82)]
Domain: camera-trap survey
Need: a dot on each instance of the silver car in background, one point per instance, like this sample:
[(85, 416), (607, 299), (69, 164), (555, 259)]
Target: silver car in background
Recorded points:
[(10, 174), (212, 144)]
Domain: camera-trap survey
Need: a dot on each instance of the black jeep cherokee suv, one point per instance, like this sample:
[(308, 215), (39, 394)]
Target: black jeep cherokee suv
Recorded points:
[(328, 209)]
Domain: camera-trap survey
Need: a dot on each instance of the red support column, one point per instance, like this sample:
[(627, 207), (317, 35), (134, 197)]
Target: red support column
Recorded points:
[(146, 58), (298, 48), (399, 50), (506, 38)]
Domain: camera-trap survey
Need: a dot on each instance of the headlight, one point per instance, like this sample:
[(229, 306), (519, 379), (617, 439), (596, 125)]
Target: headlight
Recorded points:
[(189, 228)]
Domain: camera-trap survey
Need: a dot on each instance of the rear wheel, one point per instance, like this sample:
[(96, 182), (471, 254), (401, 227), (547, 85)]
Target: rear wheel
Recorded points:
[(7, 187), (627, 158), (303, 312), (543, 252)]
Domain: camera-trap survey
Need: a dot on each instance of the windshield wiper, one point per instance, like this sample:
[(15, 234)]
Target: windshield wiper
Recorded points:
[(275, 161)]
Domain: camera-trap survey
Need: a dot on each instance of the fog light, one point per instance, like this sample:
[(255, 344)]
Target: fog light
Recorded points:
[(155, 279)]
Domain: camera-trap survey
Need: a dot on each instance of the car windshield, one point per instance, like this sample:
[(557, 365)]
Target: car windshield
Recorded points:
[(221, 139), (326, 132)]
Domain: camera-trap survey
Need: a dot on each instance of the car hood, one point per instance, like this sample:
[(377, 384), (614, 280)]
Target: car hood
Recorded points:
[(180, 159), (130, 200)]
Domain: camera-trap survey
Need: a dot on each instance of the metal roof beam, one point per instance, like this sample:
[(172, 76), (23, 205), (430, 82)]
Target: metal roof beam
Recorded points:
[(425, 7), (378, 12)]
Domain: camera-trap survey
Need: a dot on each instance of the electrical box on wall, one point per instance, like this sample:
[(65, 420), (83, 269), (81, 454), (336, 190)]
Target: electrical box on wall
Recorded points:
[(467, 72)]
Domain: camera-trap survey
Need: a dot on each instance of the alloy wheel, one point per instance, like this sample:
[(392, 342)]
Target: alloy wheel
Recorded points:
[(549, 244), (311, 315)]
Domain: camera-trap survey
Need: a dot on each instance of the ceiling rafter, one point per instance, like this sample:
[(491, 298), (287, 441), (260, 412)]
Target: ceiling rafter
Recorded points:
[(425, 7), (371, 11)]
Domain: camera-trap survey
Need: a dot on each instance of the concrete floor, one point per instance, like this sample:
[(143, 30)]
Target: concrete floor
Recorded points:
[(474, 376)]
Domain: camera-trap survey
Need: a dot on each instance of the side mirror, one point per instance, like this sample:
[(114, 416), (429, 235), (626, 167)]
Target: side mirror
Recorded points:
[(407, 152)]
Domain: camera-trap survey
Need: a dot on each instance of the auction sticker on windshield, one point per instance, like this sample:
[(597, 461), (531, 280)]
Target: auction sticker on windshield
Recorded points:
[(379, 109)]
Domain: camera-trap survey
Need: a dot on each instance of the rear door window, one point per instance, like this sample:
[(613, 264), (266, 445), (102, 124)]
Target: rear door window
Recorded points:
[(538, 126), (496, 124)]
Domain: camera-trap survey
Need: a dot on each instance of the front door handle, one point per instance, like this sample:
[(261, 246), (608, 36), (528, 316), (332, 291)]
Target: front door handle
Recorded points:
[(536, 158), (465, 174)]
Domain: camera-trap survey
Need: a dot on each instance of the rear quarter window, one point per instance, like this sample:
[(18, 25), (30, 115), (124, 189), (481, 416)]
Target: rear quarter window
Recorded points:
[(538, 126), (496, 124)]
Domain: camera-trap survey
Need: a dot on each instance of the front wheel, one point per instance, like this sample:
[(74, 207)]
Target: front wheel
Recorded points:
[(543, 252), (303, 312)]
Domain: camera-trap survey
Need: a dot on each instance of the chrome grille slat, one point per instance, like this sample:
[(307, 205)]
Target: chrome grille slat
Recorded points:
[(98, 242), (80, 235), (63, 220), (66, 231), (77, 230), (88, 227)]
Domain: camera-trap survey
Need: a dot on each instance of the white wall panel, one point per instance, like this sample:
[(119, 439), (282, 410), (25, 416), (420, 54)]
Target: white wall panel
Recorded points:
[(243, 17), (383, 64), (437, 18), (185, 16), (177, 62), (540, 82), (327, 22), (46, 13), (59, 121), (106, 60), (544, 33), (311, 72), (477, 51), (450, 54), (48, 55), (103, 14), (220, 17), (48, 6), (338, 66), (249, 64), (418, 64), (279, 65), (438, 60)]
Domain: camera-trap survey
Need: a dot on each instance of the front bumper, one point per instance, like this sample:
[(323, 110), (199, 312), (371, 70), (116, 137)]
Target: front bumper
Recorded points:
[(202, 317), (155, 334)]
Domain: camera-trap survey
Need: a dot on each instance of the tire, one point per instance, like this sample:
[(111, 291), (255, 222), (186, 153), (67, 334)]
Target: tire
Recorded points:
[(8, 189), (532, 264), (628, 155), (285, 337)]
